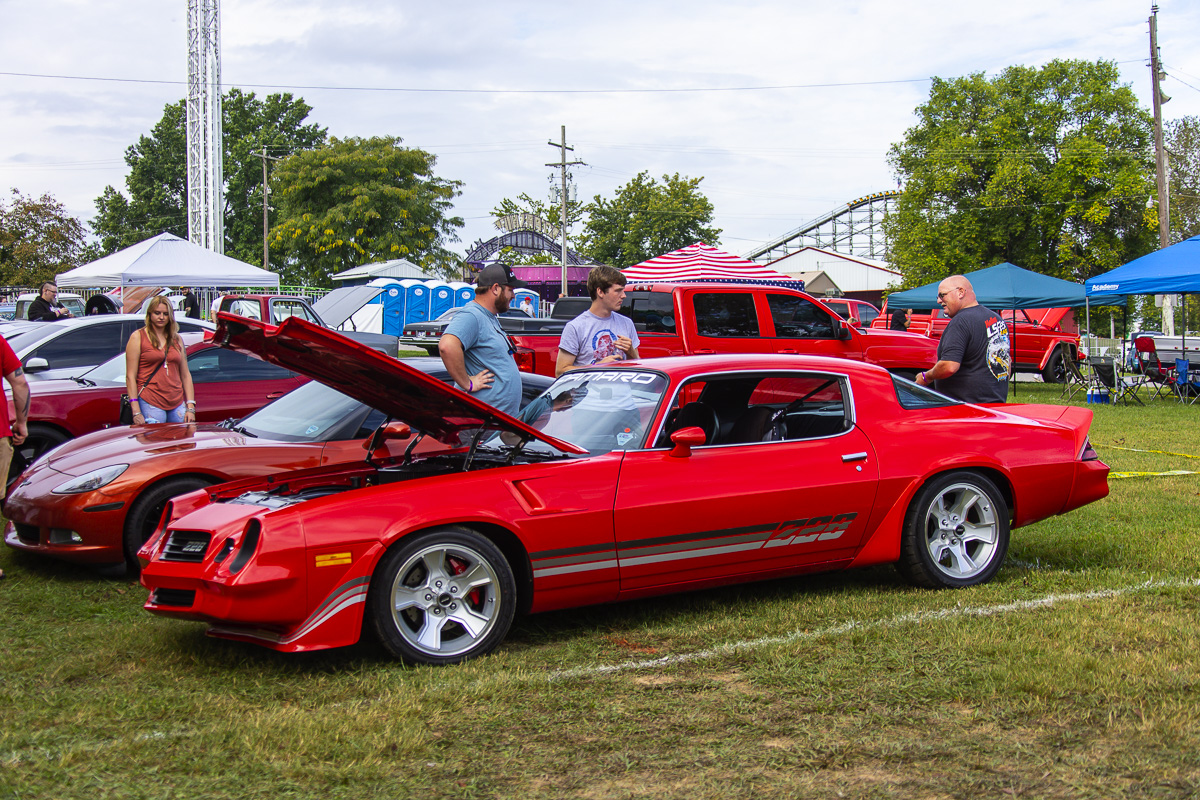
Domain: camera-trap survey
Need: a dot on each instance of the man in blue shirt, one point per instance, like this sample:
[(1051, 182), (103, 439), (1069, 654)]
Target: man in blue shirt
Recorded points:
[(475, 349)]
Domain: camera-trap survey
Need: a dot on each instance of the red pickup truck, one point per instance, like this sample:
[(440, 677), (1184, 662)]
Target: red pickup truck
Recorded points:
[(275, 308), (684, 319), (1041, 337)]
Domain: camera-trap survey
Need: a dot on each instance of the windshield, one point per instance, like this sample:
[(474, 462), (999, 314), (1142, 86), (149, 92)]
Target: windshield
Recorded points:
[(600, 410), (111, 371), (310, 413)]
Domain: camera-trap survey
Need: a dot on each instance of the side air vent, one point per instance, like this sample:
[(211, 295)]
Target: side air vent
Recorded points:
[(186, 546)]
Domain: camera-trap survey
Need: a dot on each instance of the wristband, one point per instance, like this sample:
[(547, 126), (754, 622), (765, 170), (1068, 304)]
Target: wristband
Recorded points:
[(470, 385), (922, 377)]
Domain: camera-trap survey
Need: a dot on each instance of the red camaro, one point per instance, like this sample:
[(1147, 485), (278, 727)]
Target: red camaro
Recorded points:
[(657, 476)]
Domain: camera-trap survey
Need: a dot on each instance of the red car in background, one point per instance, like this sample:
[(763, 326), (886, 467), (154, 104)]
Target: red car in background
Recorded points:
[(859, 312), (619, 482), (227, 384)]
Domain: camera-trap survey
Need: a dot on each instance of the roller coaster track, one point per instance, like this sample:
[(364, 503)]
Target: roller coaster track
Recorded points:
[(855, 228)]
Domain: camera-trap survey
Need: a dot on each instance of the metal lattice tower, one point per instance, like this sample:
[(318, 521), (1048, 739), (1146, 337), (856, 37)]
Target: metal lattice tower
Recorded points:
[(854, 229), (205, 181)]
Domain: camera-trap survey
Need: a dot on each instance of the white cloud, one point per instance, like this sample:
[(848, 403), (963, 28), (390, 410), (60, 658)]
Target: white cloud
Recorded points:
[(771, 158)]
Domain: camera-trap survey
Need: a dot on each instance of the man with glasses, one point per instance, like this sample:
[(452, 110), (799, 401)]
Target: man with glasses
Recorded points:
[(46, 308), (476, 351), (973, 354)]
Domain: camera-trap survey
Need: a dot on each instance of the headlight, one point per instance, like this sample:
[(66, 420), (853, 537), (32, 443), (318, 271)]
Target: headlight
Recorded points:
[(91, 481)]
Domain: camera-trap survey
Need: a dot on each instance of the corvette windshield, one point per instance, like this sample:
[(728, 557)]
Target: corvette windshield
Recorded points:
[(600, 410), (310, 413)]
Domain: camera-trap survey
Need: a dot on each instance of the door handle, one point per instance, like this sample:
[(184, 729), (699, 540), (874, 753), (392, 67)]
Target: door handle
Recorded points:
[(274, 395), (790, 352), (704, 352), (848, 457)]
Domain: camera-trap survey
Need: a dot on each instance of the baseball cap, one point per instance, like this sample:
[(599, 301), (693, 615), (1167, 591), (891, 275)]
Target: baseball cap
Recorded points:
[(501, 274)]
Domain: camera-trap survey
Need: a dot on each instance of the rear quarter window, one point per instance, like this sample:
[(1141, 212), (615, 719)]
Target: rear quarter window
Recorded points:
[(912, 396)]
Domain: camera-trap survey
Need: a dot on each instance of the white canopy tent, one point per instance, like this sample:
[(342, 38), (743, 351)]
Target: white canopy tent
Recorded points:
[(167, 260)]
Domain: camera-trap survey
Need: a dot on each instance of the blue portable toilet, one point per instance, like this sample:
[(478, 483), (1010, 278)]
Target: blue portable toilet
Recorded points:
[(392, 298), (463, 293), (416, 300), (441, 298), (519, 297)]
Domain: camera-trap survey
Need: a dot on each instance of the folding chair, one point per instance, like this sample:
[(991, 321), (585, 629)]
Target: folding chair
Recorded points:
[(1107, 373), (1187, 385), (1075, 381), (1160, 378)]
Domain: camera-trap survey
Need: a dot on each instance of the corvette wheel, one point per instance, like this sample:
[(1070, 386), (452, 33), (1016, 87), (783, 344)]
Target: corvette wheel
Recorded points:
[(955, 532), (442, 597), (147, 510)]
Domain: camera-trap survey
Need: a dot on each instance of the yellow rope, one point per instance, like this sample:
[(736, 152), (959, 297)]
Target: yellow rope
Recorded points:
[(1150, 474), (1135, 450)]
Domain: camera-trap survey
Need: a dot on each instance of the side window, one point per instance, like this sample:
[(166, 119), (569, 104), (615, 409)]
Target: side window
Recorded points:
[(799, 318), (282, 309), (726, 314), (866, 315), (841, 309), (84, 347), (216, 365), (243, 307), (651, 312), (190, 327), (793, 406)]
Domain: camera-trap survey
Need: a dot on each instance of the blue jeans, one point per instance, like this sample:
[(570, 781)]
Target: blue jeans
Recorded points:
[(154, 415)]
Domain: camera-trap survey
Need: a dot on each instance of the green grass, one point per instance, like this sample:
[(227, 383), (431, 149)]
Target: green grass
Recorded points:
[(1074, 674)]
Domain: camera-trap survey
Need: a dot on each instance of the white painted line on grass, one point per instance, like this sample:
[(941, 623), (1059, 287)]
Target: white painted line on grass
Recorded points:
[(858, 625)]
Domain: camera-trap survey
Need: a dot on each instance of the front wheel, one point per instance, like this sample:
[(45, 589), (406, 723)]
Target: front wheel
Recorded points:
[(442, 597), (1055, 370), (955, 532)]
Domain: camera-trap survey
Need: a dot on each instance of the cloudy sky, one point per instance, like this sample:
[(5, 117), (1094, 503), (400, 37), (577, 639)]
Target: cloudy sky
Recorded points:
[(785, 108)]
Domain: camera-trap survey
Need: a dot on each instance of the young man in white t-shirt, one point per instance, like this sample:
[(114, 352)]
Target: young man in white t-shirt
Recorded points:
[(599, 335)]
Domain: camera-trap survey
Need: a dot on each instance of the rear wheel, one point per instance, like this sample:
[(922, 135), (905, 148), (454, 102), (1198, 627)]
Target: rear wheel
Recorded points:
[(442, 597), (955, 532), (147, 510), (41, 439)]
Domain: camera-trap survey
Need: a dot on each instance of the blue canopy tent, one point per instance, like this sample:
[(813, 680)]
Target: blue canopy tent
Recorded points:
[(1171, 270), (1007, 286)]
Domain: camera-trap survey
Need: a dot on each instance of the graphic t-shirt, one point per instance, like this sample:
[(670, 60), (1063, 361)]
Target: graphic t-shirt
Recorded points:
[(591, 338), (978, 340)]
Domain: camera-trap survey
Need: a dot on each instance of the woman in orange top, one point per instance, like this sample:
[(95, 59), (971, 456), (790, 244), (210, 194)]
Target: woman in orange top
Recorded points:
[(165, 395)]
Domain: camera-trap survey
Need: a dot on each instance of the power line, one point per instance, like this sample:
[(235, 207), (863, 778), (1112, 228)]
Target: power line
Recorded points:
[(415, 90)]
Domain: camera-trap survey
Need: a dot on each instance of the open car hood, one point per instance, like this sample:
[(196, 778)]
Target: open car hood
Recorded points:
[(369, 376)]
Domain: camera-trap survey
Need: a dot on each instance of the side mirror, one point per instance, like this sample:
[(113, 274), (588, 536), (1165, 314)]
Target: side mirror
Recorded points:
[(842, 331), (390, 431), (685, 439), (37, 365)]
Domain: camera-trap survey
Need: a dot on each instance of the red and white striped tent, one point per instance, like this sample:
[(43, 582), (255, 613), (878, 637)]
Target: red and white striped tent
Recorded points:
[(701, 263)]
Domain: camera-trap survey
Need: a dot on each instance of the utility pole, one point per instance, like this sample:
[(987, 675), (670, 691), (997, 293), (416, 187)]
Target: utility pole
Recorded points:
[(266, 206), (562, 164), (1160, 162)]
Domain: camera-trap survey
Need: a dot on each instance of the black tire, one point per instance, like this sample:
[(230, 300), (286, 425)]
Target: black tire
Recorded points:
[(41, 439), (1055, 370), (147, 510), (442, 597), (955, 532)]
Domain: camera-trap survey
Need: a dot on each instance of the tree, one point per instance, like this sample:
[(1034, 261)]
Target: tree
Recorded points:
[(551, 213), (157, 180), (646, 219), (356, 201), (1050, 169), (1182, 140), (38, 240)]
